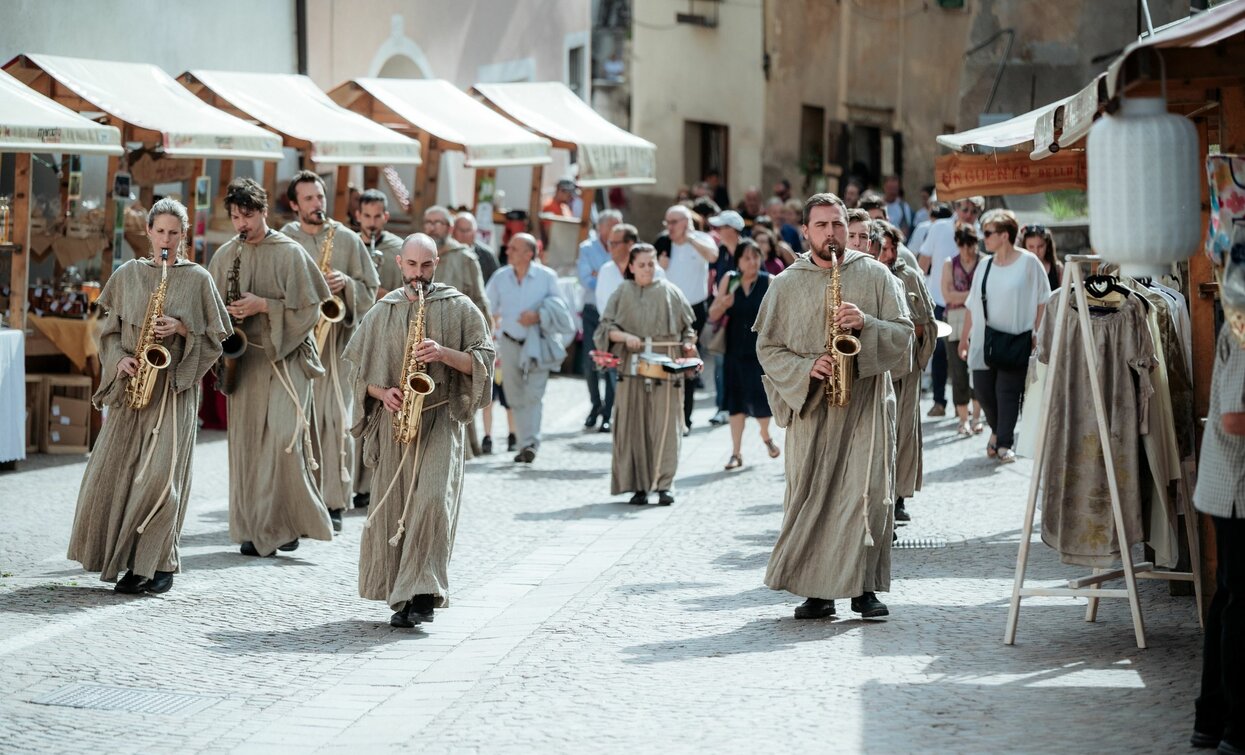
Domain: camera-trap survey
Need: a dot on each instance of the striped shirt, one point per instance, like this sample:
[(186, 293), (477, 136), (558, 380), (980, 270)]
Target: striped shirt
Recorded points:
[(1221, 471)]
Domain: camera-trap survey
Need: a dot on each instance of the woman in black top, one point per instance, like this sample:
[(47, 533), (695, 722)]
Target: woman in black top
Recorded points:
[(1037, 239), (738, 298)]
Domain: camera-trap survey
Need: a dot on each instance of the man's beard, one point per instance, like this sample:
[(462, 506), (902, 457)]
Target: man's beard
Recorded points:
[(417, 283), (372, 234), (440, 240), (315, 217), (829, 251)]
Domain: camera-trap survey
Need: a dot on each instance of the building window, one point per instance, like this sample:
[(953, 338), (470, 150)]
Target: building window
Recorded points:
[(575, 71), (812, 140), (706, 147)]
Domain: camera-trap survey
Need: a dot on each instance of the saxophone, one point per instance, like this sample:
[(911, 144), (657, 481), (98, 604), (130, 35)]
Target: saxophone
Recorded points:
[(333, 310), (152, 355), (840, 344), (416, 383), (235, 345)]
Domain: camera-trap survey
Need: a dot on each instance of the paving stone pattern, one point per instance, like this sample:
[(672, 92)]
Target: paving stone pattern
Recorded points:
[(578, 622)]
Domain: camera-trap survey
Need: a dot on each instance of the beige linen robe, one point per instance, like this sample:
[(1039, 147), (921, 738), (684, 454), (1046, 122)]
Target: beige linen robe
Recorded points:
[(822, 549), (273, 497), (334, 446), (908, 462), (416, 488), (458, 266), (388, 247), (133, 470), (648, 427)]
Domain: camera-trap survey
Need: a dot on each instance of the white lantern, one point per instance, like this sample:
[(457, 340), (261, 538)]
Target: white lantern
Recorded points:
[(1144, 191)]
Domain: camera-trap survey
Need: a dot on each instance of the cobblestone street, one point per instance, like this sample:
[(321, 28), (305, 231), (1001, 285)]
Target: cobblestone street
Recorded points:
[(580, 623)]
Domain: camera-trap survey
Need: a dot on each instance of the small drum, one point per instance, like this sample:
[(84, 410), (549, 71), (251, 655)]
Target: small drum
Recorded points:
[(662, 367)]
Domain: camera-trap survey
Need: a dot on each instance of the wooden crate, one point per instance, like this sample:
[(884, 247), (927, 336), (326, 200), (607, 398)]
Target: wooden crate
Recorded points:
[(36, 413), (74, 386)]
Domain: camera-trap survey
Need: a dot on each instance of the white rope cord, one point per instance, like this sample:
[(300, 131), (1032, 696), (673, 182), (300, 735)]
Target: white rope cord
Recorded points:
[(341, 407), (873, 437), (155, 434), (417, 444), (283, 376), (168, 487), (665, 430)]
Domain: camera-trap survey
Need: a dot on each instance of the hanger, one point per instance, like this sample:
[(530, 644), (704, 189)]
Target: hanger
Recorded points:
[(1105, 291)]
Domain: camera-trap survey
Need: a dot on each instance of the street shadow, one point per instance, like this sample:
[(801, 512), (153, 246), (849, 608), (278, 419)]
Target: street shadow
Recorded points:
[(740, 561), (605, 443), (965, 470), (216, 515), (219, 537), (757, 596), (655, 587), (704, 478), (759, 539), (59, 600), (346, 636), (762, 509), (232, 559), (529, 471), (611, 510), (758, 636)]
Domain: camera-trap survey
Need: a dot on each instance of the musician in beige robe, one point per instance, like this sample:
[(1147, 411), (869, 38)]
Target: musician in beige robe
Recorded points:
[(416, 487), (137, 482), (836, 529), (647, 427), (909, 461), (273, 496), (354, 280)]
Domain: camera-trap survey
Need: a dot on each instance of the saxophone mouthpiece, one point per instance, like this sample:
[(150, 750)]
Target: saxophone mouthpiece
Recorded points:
[(164, 256), (242, 235), (319, 216)]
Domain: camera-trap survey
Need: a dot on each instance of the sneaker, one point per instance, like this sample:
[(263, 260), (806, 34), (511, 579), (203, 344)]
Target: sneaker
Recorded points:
[(937, 410), (526, 456), (721, 418), (486, 445)]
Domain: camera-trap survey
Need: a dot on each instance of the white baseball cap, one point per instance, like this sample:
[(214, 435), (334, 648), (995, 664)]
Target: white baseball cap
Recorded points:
[(728, 217)]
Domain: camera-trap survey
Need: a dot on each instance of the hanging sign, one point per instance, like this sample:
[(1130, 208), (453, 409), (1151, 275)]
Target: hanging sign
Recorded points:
[(958, 175)]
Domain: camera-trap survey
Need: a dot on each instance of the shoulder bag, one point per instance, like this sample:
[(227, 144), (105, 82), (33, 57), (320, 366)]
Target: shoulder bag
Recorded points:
[(1003, 351)]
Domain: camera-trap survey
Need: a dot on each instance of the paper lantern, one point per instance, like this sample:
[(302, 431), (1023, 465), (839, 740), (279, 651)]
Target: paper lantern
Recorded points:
[(1144, 195)]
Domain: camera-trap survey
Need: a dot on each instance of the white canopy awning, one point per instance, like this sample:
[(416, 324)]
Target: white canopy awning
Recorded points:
[(30, 122), (607, 155), (437, 107), (145, 97), (295, 107), (1004, 136)]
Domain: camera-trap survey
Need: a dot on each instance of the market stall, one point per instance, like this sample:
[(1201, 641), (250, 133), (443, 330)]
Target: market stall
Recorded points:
[(443, 118), (1198, 68), (606, 154), (308, 121)]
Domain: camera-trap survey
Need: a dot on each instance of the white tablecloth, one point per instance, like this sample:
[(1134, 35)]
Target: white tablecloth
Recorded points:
[(12, 395)]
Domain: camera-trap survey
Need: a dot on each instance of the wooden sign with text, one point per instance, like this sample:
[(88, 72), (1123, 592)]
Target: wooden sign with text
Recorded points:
[(959, 175)]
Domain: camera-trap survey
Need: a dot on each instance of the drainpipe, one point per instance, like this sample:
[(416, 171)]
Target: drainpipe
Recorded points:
[(300, 26)]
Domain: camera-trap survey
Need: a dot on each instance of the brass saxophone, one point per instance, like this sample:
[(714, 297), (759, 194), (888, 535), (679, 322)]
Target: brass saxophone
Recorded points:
[(416, 383), (840, 344), (151, 353), (333, 310), (233, 347)]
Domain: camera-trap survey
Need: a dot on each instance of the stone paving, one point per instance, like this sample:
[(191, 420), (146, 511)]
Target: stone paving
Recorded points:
[(578, 622)]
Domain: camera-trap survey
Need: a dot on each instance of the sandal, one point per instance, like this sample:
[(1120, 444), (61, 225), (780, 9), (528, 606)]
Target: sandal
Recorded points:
[(773, 448), (978, 426), (1006, 456), (964, 430), (992, 449), (735, 463)]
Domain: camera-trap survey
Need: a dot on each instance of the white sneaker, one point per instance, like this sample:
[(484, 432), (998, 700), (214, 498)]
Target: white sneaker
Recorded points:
[(721, 418)]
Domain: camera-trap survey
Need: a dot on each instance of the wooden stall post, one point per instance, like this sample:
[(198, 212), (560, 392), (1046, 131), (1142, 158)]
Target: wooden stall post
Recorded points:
[(418, 200), (371, 177), (341, 195), (533, 201), (110, 209), (195, 216), (19, 273), (585, 219), (270, 184)]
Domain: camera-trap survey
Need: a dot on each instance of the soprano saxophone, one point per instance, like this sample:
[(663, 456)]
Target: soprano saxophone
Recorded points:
[(415, 382), (235, 345), (333, 310), (152, 355), (841, 345)]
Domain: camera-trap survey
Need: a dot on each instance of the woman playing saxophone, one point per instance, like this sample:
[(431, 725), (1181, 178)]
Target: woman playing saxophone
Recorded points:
[(163, 325)]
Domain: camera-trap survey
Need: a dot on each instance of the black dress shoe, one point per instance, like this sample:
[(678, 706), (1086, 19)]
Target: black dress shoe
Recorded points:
[(248, 549), (1202, 740), (290, 546), (639, 499), (605, 427), (361, 500), (403, 619), (869, 607), (526, 456), (593, 416), (511, 442), (486, 445), (162, 582), (815, 608), (421, 607), (901, 513), (1227, 748), (664, 498), (130, 584), (335, 516)]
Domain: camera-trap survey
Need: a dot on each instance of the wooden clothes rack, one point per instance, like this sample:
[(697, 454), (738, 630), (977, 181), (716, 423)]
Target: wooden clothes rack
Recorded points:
[(1090, 586)]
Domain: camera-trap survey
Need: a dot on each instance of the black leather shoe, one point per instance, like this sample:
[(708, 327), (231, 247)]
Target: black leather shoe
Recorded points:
[(162, 582), (815, 608), (901, 513), (335, 516), (403, 619), (526, 456), (486, 445), (639, 499), (421, 607), (869, 607), (130, 584), (361, 500), (248, 549), (1202, 740), (511, 442), (605, 427), (664, 498), (593, 416), (290, 546), (1227, 748)]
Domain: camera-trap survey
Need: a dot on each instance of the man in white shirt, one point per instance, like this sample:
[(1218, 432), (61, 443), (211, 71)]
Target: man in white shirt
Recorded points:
[(898, 211), (622, 237), (938, 247), (515, 294), (691, 254)]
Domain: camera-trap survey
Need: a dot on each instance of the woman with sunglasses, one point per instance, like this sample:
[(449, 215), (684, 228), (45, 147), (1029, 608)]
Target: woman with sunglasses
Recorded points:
[(1038, 241)]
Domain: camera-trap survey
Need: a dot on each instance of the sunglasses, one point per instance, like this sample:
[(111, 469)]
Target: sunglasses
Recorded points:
[(1035, 230), (988, 234)]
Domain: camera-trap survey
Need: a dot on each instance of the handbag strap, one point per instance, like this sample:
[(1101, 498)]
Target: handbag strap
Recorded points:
[(985, 277)]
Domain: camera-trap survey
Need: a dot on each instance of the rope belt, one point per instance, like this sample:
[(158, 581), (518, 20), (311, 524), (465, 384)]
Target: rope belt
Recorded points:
[(151, 448), (416, 444), (341, 406), (283, 376)]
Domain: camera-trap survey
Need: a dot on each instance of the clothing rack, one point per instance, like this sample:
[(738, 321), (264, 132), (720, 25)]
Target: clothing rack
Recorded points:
[(1090, 586)]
